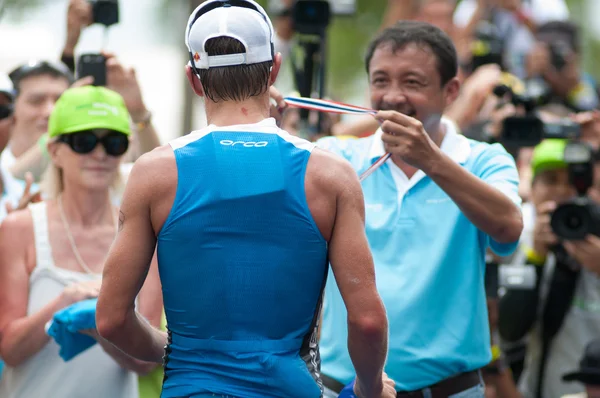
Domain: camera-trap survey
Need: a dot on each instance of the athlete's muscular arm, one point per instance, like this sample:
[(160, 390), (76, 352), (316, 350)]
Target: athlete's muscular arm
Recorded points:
[(126, 268), (354, 272)]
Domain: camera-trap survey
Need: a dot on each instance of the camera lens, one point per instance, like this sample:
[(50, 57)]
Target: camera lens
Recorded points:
[(571, 221)]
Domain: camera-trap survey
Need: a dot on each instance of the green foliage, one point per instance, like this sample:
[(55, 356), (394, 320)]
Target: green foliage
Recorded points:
[(17, 8)]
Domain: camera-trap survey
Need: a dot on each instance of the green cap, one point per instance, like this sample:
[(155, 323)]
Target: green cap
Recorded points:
[(87, 108), (548, 155)]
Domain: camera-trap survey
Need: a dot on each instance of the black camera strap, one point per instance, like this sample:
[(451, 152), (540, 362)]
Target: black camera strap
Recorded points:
[(558, 302)]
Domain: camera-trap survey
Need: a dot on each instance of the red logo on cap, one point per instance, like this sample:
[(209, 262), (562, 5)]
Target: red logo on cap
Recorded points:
[(196, 57)]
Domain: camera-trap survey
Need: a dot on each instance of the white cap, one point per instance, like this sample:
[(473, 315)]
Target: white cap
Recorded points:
[(243, 20), (6, 86)]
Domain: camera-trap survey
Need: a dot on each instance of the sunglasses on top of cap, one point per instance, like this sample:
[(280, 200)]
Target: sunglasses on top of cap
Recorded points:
[(34, 67), (84, 142)]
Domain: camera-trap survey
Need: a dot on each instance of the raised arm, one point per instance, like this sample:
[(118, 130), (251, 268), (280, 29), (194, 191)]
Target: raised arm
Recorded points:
[(126, 269), (354, 271), (489, 200)]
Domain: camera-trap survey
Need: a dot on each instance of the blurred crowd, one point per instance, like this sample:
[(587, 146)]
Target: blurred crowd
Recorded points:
[(522, 86)]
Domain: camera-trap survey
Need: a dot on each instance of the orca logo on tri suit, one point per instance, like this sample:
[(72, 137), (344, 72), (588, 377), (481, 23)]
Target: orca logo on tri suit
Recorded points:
[(245, 144)]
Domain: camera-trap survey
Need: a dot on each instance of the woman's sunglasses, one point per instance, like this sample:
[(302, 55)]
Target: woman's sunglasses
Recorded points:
[(114, 143)]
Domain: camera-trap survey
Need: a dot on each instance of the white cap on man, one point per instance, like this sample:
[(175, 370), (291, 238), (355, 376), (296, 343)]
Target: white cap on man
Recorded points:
[(243, 20)]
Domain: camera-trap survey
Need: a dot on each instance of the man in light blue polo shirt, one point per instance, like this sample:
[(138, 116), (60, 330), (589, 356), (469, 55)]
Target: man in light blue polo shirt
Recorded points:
[(433, 209)]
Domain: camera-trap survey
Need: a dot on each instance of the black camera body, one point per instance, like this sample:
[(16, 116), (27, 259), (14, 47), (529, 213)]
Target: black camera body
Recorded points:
[(559, 51), (529, 130), (105, 12), (575, 219), (311, 16), (311, 19), (487, 46), (578, 217)]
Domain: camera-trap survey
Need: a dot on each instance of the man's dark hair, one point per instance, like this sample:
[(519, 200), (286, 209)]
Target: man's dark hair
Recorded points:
[(41, 68), (404, 33), (554, 30), (233, 83)]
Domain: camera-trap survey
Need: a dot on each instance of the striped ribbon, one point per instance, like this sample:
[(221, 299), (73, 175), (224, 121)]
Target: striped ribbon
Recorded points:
[(321, 105), (327, 106)]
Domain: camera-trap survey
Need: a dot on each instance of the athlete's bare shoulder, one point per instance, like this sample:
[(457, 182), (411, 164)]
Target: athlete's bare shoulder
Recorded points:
[(152, 184), (330, 181), (159, 156), (155, 170), (331, 171)]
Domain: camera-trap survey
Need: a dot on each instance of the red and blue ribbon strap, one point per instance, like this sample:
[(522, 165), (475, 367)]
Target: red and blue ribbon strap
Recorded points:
[(322, 105)]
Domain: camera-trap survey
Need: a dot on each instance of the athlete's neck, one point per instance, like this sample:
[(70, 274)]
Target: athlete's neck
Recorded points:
[(229, 113)]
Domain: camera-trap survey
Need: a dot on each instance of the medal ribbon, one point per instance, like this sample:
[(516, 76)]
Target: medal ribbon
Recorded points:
[(321, 105)]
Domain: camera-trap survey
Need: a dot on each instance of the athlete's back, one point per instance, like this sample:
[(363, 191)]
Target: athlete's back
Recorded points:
[(242, 265), (245, 217)]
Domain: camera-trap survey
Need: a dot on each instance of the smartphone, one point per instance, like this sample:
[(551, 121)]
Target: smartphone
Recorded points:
[(105, 12), (92, 65)]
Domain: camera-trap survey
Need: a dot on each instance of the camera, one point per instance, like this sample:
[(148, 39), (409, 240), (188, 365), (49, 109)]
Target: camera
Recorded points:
[(578, 217), (311, 19), (338, 7), (559, 51), (529, 130), (487, 46), (311, 16), (105, 12)]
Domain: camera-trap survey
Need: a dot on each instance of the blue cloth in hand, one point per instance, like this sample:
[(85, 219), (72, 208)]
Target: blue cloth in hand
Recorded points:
[(67, 323), (348, 391)]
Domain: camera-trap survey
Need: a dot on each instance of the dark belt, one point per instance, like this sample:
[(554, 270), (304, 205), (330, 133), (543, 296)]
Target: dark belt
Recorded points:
[(332, 384), (446, 388), (443, 389)]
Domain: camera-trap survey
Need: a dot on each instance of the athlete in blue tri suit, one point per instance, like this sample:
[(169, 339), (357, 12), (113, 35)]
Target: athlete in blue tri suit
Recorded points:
[(245, 218)]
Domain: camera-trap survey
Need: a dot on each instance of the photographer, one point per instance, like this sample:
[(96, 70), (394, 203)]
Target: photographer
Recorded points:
[(515, 21), (553, 66), (559, 309)]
